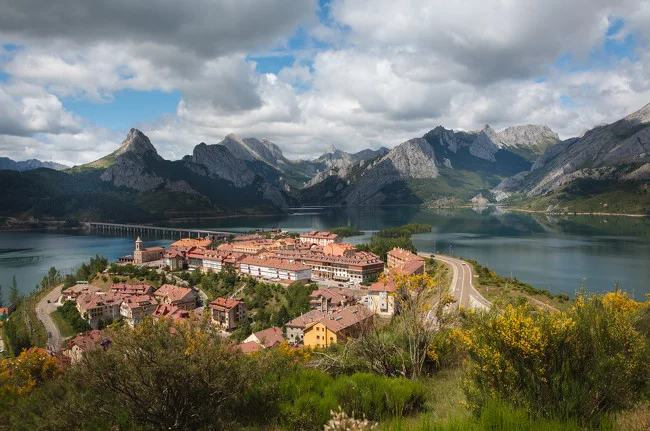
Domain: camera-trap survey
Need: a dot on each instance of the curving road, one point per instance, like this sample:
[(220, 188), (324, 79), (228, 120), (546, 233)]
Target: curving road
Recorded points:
[(43, 311), (462, 285)]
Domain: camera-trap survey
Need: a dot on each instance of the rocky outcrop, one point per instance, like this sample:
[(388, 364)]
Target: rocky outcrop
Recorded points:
[(139, 144), (412, 159), (483, 146), (130, 171), (221, 163), (250, 149), (618, 151), (341, 164), (131, 164), (529, 135)]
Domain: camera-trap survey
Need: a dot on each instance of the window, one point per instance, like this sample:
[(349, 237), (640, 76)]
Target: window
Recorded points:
[(318, 337), (332, 339)]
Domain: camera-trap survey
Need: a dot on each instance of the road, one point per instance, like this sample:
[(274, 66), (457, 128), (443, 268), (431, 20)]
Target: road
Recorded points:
[(462, 284), (43, 311)]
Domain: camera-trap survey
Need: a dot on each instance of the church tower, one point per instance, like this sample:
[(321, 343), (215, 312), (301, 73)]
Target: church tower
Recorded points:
[(137, 254)]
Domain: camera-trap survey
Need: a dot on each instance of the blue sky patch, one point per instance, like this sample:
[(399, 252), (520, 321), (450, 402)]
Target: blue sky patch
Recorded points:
[(127, 108)]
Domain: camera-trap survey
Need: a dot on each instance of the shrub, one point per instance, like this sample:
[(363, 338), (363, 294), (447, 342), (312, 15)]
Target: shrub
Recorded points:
[(581, 364), (309, 397)]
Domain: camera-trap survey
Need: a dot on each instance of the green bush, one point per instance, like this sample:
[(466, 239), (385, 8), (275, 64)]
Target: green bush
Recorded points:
[(308, 397), (71, 315)]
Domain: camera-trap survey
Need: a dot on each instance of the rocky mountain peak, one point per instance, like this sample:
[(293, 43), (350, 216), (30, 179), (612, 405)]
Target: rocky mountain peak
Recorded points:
[(331, 149), (137, 143)]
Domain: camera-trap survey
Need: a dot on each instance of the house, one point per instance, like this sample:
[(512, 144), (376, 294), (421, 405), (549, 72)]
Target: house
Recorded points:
[(4, 313), (99, 306), (181, 297), (337, 327), (328, 299), (274, 268), (319, 238), (338, 249), (166, 311), (249, 347), (267, 338), (124, 290), (83, 343), (342, 263), (228, 313), (214, 260), (405, 262), (144, 255), (135, 308), (381, 297), (295, 329), (72, 293), (192, 242), (174, 259)]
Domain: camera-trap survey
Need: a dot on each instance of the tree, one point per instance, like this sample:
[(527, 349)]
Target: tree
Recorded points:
[(22, 375), (414, 296), (182, 378), (282, 316), (14, 296)]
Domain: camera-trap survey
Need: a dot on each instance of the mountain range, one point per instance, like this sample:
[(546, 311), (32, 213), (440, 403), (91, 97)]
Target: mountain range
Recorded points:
[(526, 166), (27, 165)]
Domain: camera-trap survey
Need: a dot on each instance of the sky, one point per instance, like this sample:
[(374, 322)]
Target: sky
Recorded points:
[(76, 75)]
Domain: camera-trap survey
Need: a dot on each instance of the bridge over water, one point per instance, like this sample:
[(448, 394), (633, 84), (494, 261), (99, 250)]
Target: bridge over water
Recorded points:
[(154, 231)]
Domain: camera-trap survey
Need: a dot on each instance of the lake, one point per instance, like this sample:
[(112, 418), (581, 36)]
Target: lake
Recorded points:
[(558, 253)]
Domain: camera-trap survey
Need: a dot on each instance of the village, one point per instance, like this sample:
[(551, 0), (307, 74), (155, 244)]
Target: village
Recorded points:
[(351, 288)]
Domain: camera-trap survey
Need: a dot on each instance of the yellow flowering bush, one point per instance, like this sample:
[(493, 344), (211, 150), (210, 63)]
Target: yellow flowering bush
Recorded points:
[(583, 363)]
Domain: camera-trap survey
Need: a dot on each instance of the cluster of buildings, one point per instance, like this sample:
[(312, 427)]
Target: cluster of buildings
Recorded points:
[(313, 256), (336, 314), (130, 302)]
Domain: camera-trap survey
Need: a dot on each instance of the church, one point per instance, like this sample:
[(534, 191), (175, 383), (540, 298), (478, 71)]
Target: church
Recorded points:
[(144, 255)]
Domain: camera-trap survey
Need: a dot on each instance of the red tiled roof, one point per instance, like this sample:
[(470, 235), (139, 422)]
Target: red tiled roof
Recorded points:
[(80, 288), (89, 340), (270, 337), (344, 318), (176, 293), (383, 285), (411, 266), (95, 299), (403, 254), (224, 303), (314, 234), (271, 262), (173, 253), (171, 312), (249, 347), (307, 318)]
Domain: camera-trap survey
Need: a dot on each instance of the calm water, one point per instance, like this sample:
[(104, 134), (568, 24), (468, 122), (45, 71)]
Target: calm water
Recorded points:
[(556, 253)]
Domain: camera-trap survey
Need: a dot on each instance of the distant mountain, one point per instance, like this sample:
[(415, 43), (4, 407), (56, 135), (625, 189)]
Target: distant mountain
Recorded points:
[(27, 165), (442, 163), (145, 186), (612, 159)]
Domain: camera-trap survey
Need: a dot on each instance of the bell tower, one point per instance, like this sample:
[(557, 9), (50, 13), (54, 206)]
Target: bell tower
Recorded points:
[(137, 254)]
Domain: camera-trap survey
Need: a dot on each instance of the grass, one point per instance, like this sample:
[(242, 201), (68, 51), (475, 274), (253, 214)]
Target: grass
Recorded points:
[(64, 327), (587, 196)]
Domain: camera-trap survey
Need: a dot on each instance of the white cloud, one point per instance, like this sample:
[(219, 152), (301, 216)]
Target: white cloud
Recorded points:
[(389, 70)]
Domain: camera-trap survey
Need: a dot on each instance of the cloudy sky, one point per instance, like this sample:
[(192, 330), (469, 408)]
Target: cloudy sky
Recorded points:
[(76, 75)]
